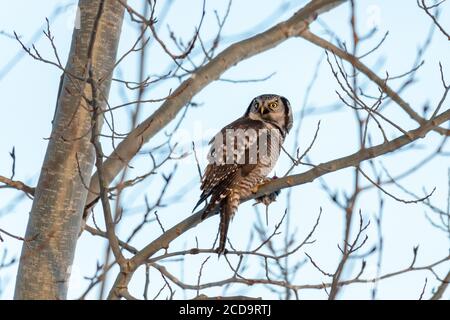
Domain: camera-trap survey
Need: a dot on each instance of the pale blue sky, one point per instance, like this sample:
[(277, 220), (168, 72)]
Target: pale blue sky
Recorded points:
[(29, 91)]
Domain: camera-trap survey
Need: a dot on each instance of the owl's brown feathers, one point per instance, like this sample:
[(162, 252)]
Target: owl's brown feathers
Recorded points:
[(241, 156)]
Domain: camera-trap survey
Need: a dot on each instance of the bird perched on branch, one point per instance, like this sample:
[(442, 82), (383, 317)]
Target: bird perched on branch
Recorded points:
[(242, 154)]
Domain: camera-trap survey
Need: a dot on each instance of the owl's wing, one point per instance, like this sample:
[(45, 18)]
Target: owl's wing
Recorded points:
[(219, 178)]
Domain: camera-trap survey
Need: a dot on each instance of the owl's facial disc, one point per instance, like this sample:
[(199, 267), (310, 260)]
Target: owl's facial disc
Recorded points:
[(265, 107)]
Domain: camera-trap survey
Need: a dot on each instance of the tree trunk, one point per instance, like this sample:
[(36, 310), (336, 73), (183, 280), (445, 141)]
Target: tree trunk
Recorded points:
[(60, 196)]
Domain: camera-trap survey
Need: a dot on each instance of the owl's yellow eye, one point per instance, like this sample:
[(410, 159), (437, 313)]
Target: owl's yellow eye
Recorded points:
[(273, 105)]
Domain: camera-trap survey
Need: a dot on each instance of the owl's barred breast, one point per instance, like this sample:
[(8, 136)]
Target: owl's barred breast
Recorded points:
[(268, 153)]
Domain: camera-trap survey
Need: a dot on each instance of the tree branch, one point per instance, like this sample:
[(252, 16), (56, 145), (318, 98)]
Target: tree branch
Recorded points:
[(440, 291), (277, 184), (19, 185), (202, 77), (307, 35)]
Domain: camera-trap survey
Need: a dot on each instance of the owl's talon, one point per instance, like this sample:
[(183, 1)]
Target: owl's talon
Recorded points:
[(267, 180), (263, 182), (267, 199)]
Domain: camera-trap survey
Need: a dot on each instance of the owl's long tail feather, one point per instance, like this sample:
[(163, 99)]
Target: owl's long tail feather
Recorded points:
[(227, 210), (223, 227)]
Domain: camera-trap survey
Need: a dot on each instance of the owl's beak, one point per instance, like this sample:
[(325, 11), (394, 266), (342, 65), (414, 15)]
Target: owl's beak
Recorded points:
[(263, 110)]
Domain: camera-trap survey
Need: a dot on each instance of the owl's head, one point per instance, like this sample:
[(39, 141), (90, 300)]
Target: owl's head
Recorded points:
[(271, 108)]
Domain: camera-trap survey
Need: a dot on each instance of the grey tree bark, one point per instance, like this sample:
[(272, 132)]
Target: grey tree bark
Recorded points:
[(60, 196)]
